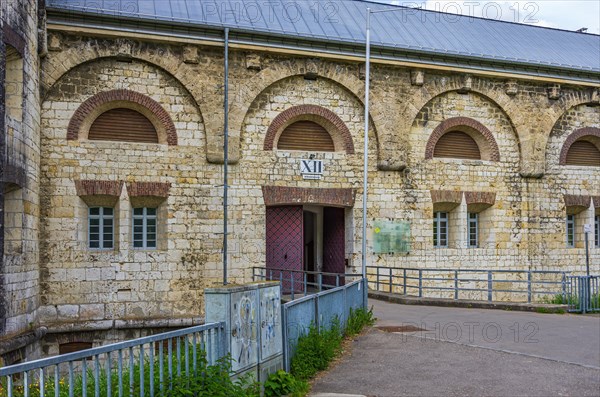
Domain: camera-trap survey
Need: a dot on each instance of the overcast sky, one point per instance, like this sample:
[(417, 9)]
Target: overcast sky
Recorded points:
[(569, 15)]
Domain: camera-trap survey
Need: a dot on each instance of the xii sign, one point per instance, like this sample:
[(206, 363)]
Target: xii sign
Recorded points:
[(311, 169)]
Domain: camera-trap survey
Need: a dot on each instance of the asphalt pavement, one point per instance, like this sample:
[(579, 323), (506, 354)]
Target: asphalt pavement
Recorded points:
[(435, 351)]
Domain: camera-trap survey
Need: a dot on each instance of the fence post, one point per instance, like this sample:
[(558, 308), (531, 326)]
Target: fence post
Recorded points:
[(456, 284), (391, 280), (420, 283), (292, 277), (337, 280), (320, 281), (404, 282), (529, 286), (305, 284), (490, 286), (377, 283)]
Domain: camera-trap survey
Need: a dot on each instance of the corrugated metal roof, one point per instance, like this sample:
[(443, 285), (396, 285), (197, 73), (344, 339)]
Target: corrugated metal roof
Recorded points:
[(343, 21)]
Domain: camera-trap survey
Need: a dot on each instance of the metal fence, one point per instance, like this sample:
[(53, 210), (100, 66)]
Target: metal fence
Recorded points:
[(583, 294), (140, 367), (319, 310), (300, 282), (490, 285)]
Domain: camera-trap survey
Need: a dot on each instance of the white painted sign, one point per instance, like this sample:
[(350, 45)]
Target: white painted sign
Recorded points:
[(587, 228), (311, 169)]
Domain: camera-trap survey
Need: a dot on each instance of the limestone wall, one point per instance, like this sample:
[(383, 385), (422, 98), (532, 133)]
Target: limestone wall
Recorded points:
[(19, 109), (525, 228)]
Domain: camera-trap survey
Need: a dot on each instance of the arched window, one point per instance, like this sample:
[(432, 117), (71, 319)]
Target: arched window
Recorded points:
[(310, 128), (122, 115), (582, 148), (462, 138), (583, 153), (305, 135), (123, 124), (458, 145)]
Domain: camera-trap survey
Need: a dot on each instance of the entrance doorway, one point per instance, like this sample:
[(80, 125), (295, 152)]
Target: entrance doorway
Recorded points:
[(305, 238)]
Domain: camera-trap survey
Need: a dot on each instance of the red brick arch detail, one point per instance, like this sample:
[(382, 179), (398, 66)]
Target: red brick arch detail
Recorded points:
[(455, 123), (574, 137), (306, 110), (102, 98)]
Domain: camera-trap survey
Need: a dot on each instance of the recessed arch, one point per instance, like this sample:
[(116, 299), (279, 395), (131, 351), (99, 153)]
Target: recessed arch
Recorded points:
[(480, 134), (93, 107), (337, 129), (585, 136)]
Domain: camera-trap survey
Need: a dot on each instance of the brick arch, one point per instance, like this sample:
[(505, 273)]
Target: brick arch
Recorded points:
[(341, 75), (325, 117), (577, 135), (165, 58), (100, 103), (520, 124), (480, 133)]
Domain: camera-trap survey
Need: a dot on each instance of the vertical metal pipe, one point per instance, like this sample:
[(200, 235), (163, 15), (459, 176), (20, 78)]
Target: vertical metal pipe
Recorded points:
[(142, 376), (108, 375), (490, 286), (529, 292), (366, 142), (455, 284), (225, 154), (120, 372), (83, 377), (151, 356)]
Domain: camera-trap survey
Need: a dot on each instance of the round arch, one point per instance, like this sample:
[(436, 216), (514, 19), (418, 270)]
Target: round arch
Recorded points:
[(326, 118), (591, 133), (94, 106), (480, 134)]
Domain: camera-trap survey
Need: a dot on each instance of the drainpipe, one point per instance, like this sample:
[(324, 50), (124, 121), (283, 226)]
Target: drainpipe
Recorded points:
[(225, 154), (2, 165)]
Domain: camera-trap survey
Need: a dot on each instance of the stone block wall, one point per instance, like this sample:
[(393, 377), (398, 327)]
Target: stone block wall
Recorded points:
[(20, 136), (524, 227)]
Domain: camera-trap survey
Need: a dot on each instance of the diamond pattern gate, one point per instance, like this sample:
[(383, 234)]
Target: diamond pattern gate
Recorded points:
[(284, 240), (334, 244)]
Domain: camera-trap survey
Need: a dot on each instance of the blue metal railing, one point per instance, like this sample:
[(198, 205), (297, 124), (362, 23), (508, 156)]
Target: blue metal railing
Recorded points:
[(143, 363), (512, 285), (301, 282), (319, 310), (583, 294)]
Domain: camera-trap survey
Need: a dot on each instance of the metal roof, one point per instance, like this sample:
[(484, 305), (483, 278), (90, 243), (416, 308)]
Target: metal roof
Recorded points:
[(343, 22)]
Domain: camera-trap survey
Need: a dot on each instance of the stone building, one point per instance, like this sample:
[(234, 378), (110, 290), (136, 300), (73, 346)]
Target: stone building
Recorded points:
[(113, 124)]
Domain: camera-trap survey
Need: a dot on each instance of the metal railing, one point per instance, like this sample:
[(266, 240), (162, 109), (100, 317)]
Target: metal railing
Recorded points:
[(146, 366), (490, 285), (301, 282), (583, 294), (320, 310)]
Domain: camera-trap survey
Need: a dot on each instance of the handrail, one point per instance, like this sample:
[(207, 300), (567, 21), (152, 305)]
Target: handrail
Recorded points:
[(421, 280)]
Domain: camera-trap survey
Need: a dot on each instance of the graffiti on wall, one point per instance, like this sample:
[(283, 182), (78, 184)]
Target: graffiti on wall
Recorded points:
[(270, 322), (244, 329)]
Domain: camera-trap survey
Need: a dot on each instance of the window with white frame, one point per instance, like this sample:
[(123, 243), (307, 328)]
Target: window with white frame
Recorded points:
[(597, 230), (144, 228), (473, 225), (101, 227), (440, 229), (571, 231)]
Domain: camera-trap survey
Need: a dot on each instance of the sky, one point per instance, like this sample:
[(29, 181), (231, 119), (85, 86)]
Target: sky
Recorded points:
[(568, 15)]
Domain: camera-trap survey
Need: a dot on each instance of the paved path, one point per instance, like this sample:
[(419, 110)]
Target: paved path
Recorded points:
[(470, 352)]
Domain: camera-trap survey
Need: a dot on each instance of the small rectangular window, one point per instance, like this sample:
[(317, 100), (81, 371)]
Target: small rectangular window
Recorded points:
[(440, 229), (101, 228), (473, 222), (144, 228), (597, 230), (571, 231)]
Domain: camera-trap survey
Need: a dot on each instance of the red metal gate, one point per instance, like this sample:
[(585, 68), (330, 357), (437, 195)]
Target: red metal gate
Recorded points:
[(334, 244), (284, 240)]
